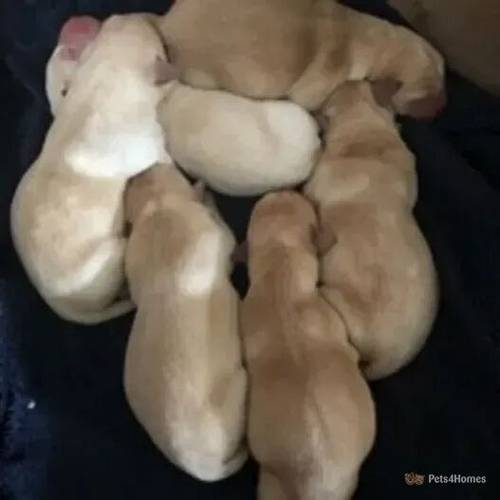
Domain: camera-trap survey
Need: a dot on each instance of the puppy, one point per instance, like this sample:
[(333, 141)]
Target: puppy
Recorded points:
[(311, 420), (227, 140), (67, 216), (223, 139), (466, 31), (376, 268), (184, 377), (300, 49)]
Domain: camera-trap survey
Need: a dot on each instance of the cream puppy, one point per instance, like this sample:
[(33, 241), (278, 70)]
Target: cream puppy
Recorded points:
[(376, 269), (67, 216), (223, 139), (238, 146), (300, 49), (184, 377), (311, 418)]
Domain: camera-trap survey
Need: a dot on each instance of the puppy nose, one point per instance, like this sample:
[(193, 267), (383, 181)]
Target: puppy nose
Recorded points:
[(79, 26), (428, 107)]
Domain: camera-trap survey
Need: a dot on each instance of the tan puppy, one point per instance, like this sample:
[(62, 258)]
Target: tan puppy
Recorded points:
[(183, 370), (466, 31), (311, 418), (67, 219), (301, 49), (376, 269), (223, 139)]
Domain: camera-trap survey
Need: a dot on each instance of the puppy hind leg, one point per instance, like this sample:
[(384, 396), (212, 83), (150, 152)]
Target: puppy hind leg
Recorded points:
[(105, 273), (89, 297), (70, 312)]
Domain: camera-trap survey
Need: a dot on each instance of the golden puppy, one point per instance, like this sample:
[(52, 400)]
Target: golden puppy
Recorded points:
[(300, 49), (466, 31), (311, 417), (184, 377), (222, 139), (67, 214), (376, 268)]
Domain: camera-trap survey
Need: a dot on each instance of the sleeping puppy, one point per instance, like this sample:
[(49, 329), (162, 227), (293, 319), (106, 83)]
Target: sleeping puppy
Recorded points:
[(184, 377), (227, 140), (311, 418), (67, 216), (300, 49), (376, 268), (223, 139)]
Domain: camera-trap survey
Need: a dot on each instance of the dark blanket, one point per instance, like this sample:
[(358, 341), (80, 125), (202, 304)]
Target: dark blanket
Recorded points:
[(65, 430)]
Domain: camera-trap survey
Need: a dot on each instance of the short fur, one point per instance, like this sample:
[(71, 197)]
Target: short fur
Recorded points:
[(223, 139), (239, 146), (311, 417), (300, 49), (184, 377), (67, 216), (376, 268)]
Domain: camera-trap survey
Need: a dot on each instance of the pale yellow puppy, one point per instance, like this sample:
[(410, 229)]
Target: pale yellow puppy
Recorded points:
[(223, 139), (67, 214), (311, 418), (184, 377), (376, 268), (228, 140), (300, 49)]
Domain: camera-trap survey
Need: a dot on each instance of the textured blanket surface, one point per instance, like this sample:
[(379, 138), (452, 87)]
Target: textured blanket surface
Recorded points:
[(65, 430)]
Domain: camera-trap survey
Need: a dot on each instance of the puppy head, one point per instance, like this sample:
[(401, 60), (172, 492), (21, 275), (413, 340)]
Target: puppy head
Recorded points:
[(130, 40), (423, 97), (75, 36), (147, 189), (282, 218), (358, 100)]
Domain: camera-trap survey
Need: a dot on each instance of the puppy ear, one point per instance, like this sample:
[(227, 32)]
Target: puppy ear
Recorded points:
[(384, 91), (76, 34), (165, 71)]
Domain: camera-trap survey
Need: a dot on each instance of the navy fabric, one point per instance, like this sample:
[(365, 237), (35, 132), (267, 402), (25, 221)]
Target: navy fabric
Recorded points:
[(65, 430)]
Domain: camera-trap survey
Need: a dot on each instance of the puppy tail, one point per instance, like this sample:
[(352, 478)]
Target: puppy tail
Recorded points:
[(93, 317)]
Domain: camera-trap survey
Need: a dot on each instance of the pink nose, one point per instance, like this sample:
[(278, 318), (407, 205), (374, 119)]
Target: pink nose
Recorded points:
[(428, 107), (81, 26)]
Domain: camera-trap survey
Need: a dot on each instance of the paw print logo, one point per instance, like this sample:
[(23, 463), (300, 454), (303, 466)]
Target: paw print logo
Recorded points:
[(414, 479)]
